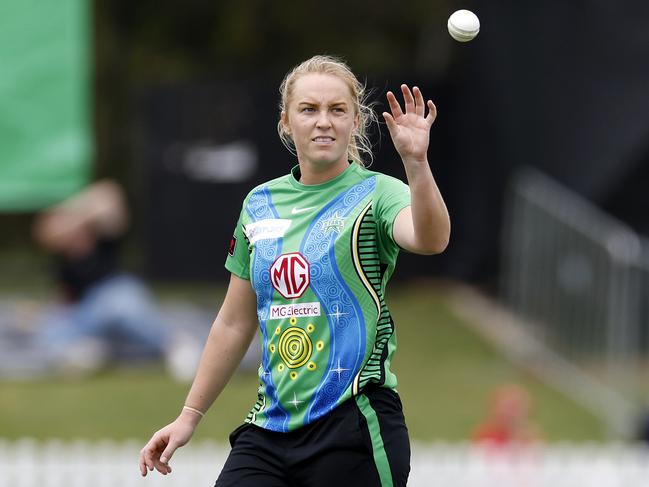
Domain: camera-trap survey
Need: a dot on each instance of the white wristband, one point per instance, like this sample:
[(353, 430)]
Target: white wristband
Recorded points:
[(194, 410)]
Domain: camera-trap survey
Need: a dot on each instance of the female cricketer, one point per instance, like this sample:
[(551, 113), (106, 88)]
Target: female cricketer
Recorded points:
[(310, 259)]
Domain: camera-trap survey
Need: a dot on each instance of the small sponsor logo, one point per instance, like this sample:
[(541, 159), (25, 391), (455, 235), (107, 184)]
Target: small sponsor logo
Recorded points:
[(301, 310), (297, 211), (290, 275), (266, 229), (233, 246)]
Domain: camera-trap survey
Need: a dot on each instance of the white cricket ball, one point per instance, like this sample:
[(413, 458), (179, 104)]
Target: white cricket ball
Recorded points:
[(463, 25)]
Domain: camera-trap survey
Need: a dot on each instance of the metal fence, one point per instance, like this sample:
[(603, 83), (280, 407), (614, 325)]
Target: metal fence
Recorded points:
[(578, 281), (28, 463)]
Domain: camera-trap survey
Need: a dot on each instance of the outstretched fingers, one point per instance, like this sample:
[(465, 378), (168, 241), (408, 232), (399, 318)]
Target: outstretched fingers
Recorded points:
[(395, 108), (415, 104), (432, 113), (420, 104), (408, 99), (390, 122)]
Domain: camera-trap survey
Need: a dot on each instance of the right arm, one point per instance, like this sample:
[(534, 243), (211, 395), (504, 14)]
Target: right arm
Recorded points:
[(229, 339)]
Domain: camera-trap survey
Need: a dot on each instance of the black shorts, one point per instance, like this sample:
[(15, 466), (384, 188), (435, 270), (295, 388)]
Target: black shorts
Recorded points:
[(364, 441)]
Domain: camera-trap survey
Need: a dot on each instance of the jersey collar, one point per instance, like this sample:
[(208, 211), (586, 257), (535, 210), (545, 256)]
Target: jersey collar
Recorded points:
[(294, 178)]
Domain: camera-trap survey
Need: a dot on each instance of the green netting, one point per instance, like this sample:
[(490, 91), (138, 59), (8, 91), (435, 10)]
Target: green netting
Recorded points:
[(45, 139)]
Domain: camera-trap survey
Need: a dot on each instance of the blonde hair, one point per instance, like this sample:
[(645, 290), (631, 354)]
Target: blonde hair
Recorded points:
[(360, 144)]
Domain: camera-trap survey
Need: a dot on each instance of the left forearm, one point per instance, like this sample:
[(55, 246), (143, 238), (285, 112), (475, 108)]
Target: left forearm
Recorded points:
[(430, 220), (424, 227)]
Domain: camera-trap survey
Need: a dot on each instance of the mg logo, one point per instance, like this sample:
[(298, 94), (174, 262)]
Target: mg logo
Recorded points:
[(289, 274)]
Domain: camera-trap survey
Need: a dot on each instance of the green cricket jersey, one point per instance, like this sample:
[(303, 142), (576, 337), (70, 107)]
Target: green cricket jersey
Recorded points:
[(319, 258)]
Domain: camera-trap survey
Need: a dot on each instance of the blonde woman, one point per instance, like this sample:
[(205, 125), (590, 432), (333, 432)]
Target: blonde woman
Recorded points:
[(310, 258)]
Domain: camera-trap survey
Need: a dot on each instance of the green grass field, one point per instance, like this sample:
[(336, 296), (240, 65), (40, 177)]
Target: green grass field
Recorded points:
[(445, 374)]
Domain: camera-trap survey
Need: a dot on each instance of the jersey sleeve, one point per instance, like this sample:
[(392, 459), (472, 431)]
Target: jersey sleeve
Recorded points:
[(238, 259), (393, 196)]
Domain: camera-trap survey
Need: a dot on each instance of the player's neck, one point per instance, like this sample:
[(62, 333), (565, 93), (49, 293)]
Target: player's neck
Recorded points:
[(311, 174)]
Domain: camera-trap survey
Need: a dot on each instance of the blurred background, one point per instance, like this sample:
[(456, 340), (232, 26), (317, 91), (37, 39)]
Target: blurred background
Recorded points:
[(130, 133)]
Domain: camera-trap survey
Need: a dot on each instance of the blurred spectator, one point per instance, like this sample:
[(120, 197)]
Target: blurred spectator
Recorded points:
[(105, 313), (508, 419)]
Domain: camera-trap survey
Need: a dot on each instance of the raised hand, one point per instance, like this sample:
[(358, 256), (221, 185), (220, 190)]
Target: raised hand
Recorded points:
[(410, 131)]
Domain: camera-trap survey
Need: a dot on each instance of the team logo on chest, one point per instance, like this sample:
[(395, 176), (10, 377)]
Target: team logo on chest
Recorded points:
[(290, 275), (334, 224)]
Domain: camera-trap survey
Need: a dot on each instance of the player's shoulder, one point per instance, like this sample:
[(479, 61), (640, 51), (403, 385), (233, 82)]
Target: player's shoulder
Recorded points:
[(268, 185), (382, 179)]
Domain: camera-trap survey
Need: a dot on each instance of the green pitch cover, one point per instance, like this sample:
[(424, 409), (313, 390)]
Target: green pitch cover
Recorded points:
[(45, 139), (319, 259)]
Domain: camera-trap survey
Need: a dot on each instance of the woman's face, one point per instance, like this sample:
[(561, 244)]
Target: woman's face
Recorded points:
[(320, 118)]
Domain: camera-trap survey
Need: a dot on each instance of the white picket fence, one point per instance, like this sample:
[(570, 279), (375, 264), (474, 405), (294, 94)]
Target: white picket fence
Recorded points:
[(28, 463)]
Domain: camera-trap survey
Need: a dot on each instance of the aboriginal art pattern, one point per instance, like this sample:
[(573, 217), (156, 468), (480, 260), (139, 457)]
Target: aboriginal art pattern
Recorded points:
[(345, 317), (295, 347), (260, 207), (368, 266)]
